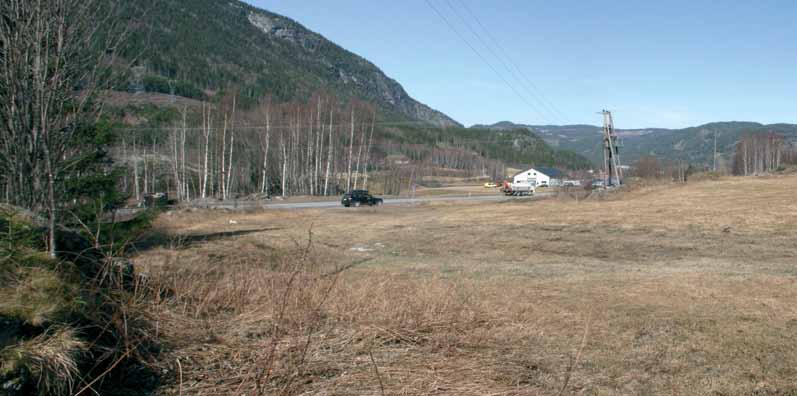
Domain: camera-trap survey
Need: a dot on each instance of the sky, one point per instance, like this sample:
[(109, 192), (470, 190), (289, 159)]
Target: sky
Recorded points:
[(667, 64)]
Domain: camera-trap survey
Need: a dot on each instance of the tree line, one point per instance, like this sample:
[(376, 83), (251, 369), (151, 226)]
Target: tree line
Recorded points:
[(754, 153), (758, 153), (318, 147), (322, 146)]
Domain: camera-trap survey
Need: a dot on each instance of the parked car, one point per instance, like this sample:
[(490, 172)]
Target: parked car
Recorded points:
[(360, 197), (598, 183)]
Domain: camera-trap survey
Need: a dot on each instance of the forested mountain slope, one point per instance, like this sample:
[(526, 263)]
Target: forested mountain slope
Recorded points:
[(201, 48)]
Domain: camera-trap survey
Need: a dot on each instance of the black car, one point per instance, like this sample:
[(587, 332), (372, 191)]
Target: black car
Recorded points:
[(359, 197)]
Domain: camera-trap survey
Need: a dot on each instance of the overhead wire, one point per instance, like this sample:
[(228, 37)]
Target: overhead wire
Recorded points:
[(521, 77), (479, 54), (423, 124)]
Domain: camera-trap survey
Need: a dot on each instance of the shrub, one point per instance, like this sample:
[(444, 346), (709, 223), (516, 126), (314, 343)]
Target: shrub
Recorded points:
[(55, 314)]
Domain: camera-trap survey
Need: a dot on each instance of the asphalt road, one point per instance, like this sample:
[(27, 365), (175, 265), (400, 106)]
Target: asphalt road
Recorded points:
[(402, 201), (130, 213)]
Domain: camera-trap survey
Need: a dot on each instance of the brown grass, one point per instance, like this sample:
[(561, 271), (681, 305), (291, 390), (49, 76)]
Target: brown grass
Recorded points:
[(684, 290), (51, 358)]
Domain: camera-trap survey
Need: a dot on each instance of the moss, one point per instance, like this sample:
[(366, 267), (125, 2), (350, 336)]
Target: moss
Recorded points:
[(38, 296), (20, 229)]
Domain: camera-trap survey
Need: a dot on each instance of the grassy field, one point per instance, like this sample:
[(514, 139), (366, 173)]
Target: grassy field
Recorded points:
[(678, 290)]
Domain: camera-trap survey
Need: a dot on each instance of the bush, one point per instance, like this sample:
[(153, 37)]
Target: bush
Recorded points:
[(62, 324)]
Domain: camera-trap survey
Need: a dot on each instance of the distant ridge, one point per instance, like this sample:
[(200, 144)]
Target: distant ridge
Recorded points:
[(693, 144)]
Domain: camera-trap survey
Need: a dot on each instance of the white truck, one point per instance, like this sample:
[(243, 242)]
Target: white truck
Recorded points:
[(518, 188)]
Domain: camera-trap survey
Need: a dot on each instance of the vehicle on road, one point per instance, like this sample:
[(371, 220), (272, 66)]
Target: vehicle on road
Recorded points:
[(490, 185), (598, 183), (360, 197), (517, 189)]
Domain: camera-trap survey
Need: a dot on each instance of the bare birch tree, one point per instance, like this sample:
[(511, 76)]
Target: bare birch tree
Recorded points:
[(264, 142), (206, 128), (351, 150), (47, 49)]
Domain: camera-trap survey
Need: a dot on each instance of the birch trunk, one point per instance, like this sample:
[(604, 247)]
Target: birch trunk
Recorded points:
[(329, 153), (222, 182), (351, 152), (206, 131), (264, 177), (135, 172), (359, 154), (232, 144), (185, 193), (368, 151), (284, 166)]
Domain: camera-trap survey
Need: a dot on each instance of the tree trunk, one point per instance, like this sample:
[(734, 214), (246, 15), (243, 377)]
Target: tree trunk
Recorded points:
[(329, 153), (284, 169), (264, 177), (351, 152), (368, 151), (222, 182), (135, 172), (51, 203), (206, 131)]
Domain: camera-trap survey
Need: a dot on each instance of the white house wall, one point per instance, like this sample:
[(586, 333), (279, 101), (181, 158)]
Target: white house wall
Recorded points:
[(532, 177), (535, 178)]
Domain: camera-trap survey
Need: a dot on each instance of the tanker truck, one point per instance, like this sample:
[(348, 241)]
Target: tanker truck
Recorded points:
[(517, 189)]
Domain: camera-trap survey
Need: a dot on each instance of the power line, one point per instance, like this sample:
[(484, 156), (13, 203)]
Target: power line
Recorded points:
[(461, 37), (495, 137), (309, 125), (550, 114), (423, 124), (535, 91)]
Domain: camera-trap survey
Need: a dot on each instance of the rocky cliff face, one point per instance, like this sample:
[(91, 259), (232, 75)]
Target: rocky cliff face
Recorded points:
[(365, 77)]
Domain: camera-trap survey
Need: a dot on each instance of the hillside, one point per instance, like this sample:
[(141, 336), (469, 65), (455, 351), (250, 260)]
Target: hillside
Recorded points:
[(512, 146), (202, 48), (694, 144)]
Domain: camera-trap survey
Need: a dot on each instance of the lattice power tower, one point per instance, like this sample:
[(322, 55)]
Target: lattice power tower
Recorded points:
[(612, 174)]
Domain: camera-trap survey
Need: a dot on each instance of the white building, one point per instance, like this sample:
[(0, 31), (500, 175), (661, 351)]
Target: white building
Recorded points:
[(540, 176)]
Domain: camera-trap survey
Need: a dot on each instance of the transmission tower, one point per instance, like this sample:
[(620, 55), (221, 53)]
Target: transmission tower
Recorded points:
[(612, 174)]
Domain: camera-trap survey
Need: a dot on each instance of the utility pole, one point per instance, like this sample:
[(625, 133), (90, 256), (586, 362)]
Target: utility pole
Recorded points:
[(715, 151), (611, 158)]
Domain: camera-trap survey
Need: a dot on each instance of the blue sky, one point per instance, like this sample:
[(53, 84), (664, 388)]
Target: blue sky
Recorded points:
[(653, 63)]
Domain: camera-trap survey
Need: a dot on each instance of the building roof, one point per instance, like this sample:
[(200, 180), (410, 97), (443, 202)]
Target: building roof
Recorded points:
[(550, 172)]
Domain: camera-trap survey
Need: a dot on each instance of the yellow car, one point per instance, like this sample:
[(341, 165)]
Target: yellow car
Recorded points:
[(490, 185)]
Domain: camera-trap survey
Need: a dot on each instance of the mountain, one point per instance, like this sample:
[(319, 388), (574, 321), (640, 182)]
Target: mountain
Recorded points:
[(191, 51), (203, 48), (694, 144)]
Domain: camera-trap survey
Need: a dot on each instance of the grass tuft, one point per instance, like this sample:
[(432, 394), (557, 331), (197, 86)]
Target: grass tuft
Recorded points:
[(50, 360)]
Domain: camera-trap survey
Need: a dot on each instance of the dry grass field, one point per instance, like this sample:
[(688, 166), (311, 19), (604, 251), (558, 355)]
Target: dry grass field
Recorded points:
[(677, 290)]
